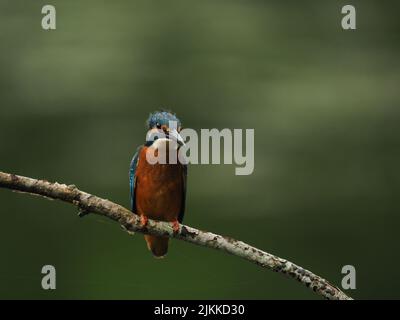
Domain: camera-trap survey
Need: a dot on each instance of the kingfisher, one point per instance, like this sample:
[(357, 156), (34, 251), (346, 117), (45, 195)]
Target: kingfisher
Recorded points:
[(157, 188)]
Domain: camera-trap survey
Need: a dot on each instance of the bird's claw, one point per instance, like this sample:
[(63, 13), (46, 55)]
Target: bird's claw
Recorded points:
[(143, 220), (175, 226)]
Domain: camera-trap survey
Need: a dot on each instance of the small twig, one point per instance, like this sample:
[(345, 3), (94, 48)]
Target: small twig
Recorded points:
[(131, 223)]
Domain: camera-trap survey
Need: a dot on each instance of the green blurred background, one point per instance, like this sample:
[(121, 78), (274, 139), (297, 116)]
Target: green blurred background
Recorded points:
[(324, 104)]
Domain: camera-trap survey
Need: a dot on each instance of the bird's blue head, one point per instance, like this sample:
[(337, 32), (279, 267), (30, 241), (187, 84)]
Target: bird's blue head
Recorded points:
[(165, 122), (158, 119)]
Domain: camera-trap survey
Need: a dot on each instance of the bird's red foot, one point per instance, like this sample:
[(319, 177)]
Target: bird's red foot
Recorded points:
[(175, 226), (143, 220)]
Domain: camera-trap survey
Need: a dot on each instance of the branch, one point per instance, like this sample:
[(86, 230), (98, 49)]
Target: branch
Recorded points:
[(130, 222)]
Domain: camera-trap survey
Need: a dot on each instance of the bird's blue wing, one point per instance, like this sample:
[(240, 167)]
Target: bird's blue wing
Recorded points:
[(184, 177), (132, 178)]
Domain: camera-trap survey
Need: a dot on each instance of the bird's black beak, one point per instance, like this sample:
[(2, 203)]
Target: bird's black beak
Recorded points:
[(174, 134)]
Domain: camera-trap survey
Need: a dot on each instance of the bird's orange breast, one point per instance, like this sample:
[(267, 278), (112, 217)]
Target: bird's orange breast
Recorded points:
[(159, 189)]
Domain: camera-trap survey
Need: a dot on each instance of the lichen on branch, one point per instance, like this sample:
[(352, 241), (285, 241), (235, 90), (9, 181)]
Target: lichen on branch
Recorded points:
[(88, 203)]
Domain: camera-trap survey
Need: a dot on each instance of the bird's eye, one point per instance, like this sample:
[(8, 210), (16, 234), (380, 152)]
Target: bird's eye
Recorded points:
[(158, 126)]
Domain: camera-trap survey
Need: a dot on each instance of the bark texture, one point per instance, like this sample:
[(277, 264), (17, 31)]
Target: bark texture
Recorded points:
[(88, 203)]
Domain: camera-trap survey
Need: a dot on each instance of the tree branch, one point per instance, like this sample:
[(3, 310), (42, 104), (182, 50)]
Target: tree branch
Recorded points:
[(131, 223)]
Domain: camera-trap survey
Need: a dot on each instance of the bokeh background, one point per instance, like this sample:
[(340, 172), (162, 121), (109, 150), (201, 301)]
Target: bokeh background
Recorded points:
[(324, 104)]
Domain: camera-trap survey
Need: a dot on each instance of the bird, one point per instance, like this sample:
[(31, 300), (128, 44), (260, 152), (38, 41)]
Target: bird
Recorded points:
[(158, 190)]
